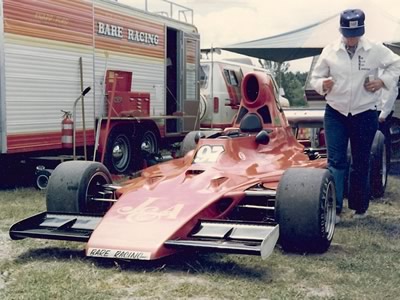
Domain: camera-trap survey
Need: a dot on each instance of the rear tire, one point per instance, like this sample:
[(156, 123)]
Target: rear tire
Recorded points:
[(188, 144), (306, 210), (379, 166), (346, 180), (73, 184)]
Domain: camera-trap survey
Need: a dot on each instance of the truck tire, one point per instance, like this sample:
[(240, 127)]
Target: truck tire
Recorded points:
[(119, 151), (149, 142), (379, 166), (306, 210), (72, 184)]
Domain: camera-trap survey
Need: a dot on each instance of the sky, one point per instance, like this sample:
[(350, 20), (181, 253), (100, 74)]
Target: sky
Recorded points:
[(224, 22)]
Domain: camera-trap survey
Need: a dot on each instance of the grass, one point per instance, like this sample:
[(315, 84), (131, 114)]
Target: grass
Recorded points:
[(362, 263)]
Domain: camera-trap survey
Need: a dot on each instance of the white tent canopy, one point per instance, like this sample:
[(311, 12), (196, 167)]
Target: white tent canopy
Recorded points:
[(309, 41)]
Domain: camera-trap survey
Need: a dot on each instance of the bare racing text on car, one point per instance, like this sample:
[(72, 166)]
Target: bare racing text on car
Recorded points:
[(238, 190)]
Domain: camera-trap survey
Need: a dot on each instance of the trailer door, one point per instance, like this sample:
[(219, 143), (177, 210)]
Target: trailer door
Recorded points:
[(190, 86)]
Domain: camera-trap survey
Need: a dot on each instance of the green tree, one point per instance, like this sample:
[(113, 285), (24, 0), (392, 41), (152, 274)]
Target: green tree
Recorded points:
[(292, 83), (276, 68)]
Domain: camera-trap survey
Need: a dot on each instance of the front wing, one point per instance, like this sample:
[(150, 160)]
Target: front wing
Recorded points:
[(257, 238), (240, 237)]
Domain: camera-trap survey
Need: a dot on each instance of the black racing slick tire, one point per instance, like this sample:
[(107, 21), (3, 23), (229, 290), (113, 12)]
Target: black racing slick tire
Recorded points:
[(306, 210), (189, 142), (379, 166), (74, 184), (346, 180)]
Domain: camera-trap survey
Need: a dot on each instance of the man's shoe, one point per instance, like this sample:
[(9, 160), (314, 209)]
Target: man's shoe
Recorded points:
[(360, 216)]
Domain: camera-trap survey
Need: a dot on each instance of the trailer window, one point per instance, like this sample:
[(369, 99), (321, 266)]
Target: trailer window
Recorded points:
[(231, 77), (204, 71)]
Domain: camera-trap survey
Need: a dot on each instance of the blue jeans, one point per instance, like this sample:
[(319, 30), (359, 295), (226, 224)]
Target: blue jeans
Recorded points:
[(360, 130)]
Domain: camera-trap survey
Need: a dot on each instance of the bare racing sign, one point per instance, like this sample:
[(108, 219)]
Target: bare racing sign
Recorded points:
[(128, 34)]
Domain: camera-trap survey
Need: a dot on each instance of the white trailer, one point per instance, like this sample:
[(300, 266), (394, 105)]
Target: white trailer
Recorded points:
[(50, 50)]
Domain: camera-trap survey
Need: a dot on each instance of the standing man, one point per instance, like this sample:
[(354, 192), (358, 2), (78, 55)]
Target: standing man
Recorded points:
[(347, 74)]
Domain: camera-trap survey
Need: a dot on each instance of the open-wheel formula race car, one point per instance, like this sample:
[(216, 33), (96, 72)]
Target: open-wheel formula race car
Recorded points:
[(236, 191)]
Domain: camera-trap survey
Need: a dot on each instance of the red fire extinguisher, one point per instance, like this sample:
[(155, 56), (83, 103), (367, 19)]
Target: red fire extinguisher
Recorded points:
[(67, 130)]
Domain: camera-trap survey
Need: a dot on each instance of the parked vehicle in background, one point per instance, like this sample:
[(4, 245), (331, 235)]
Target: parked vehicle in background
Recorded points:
[(220, 90), (142, 69)]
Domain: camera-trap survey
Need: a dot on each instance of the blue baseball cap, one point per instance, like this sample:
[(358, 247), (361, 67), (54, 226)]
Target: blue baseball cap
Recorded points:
[(352, 23)]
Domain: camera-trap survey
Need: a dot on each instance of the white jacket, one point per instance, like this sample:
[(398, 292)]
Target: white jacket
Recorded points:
[(348, 94), (387, 99)]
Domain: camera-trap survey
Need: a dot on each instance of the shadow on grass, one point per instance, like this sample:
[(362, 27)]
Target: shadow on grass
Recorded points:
[(378, 226), (186, 262), (395, 168), (51, 253)]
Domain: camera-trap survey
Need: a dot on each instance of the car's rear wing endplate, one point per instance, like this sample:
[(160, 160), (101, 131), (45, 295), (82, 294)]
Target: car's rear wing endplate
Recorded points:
[(238, 237), (54, 226)]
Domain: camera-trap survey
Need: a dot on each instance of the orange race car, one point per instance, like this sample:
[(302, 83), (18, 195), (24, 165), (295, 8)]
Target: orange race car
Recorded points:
[(239, 190)]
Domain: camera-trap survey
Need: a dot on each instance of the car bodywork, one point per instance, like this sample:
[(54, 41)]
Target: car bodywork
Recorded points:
[(237, 191)]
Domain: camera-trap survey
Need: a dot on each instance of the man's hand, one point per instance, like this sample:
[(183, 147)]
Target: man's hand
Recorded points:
[(327, 85), (374, 85)]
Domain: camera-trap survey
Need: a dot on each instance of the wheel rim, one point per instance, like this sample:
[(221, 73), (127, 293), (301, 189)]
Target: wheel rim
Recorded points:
[(330, 210), (202, 107), (121, 153), (149, 142), (42, 182), (93, 190)]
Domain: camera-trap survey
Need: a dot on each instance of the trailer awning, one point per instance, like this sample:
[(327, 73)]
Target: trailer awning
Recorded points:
[(309, 41)]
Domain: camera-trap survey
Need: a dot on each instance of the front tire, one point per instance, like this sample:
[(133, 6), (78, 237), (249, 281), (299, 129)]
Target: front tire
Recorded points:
[(306, 210), (74, 184)]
